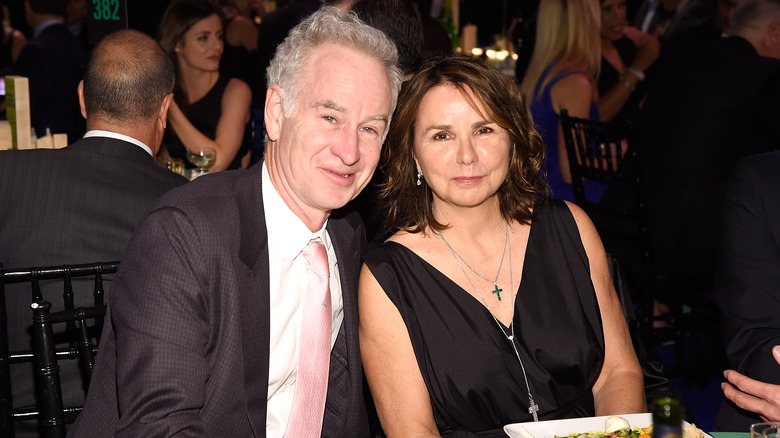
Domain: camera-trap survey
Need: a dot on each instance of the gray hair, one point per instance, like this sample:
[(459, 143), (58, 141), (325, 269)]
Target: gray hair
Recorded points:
[(751, 14), (329, 25)]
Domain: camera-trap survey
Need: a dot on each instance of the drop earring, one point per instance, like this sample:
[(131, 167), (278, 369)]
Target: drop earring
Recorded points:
[(419, 178)]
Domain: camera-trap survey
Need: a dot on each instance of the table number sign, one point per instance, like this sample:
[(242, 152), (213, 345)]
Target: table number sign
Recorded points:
[(105, 17)]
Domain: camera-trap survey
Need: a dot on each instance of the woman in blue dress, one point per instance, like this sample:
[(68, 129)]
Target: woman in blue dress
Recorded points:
[(561, 75)]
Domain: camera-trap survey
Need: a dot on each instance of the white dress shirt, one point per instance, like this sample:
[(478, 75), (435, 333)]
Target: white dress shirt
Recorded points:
[(287, 237)]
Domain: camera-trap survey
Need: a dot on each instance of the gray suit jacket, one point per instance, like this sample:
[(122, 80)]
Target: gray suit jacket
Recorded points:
[(79, 204), (187, 349)]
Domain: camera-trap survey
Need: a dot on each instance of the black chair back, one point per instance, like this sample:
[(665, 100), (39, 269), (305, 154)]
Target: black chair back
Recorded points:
[(600, 151), (76, 341)]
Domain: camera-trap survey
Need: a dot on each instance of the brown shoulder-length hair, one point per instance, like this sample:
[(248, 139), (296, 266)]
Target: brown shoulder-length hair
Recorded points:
[(409, 206), (179, 17)]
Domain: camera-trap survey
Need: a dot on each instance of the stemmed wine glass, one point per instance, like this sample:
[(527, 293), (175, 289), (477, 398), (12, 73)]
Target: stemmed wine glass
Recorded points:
[(203, 158)]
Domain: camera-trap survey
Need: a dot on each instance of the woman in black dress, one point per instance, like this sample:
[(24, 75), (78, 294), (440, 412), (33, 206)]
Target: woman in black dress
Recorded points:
[(626, 54), (209, 109), (491, 304)]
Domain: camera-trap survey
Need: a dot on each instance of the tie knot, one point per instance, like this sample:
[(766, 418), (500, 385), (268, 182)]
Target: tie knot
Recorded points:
[(317, 256)]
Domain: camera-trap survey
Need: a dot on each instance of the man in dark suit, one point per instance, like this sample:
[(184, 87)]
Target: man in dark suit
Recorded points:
[(81, 204), (207, 312), (708, 105), (54, 61), (747, 289)]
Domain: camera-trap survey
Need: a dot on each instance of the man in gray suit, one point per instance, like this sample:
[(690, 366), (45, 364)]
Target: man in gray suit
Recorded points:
[(207, 311), (81, 204)]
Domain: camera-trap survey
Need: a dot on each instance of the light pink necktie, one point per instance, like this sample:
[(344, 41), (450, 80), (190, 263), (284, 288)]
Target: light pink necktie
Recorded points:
[(314, 360)]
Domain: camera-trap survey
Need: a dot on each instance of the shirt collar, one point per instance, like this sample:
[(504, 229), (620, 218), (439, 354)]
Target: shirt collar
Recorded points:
[(118, 136), (287, 234)]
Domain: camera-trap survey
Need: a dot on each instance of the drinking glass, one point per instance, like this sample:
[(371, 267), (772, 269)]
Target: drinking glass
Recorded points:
[(764, 430), (203, 158), (175, 165)]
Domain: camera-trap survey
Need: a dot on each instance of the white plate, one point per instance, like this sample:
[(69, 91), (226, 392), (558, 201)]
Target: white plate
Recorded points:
[(561, 428)]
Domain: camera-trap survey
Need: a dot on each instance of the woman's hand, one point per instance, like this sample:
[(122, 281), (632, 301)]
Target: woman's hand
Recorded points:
[(648, 51), (753, 395)]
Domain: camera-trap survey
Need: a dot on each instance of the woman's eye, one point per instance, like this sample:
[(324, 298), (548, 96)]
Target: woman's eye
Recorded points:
[(484, 130), (440, 136)]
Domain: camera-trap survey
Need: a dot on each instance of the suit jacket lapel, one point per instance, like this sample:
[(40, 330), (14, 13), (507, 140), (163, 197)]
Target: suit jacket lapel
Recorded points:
[(254, 298)]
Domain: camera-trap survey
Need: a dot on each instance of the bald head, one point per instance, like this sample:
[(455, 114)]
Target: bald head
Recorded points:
[(127, 79)]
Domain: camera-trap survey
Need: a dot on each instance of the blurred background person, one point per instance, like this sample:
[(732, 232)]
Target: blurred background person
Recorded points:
[(53, 60), (461, 307), (81, 204), (209, 109), (12, 41), (344, 5), (436, 41), (240, 58), (626, 54), (401, 22), (76, 20), (561, 74), (145, 15), (709, 104)]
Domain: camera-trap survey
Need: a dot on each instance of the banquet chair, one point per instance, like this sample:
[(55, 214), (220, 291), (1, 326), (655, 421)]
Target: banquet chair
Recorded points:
[(599, 151), (76, 341)]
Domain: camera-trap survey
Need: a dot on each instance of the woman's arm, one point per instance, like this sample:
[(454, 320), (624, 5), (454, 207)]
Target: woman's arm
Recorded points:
[(401, 398), (18, 44), (610, 104), (573, 93), (619, 388), (230, 128), (242, 32)]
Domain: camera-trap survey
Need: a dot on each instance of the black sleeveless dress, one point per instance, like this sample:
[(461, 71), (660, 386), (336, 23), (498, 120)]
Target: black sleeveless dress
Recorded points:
[(472, 374), (204, 115)]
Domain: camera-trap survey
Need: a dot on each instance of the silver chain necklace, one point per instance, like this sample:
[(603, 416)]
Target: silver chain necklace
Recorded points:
[(533, 408), (495, 290)]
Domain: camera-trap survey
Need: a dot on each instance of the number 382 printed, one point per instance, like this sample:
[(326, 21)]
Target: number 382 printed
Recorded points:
[(106, 10)]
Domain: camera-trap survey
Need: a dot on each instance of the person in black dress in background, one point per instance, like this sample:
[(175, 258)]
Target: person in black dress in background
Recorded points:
[(626, 53), (11, 43), (452, 344), (240, 57), (209, 109)]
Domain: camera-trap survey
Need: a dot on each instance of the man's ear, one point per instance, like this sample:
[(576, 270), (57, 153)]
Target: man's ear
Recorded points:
[(166, 104), (274, 113), (83, 107)]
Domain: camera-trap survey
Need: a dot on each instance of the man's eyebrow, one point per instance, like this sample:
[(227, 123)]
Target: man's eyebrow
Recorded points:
[(330, 105)]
